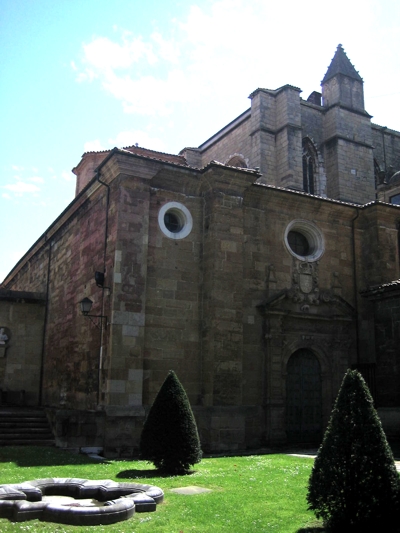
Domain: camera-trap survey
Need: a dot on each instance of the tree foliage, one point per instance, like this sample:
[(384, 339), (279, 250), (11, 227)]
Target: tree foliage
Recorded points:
[(354, 483), (169, 438)]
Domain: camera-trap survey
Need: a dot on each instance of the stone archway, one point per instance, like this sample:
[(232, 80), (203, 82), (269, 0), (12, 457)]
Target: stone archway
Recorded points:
[(303, 397)]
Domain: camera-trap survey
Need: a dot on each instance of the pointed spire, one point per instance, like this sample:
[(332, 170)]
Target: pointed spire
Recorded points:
[(341, 65)]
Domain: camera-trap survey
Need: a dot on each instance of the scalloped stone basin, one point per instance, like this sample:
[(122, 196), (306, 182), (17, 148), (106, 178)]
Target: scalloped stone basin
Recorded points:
[(77, 501)]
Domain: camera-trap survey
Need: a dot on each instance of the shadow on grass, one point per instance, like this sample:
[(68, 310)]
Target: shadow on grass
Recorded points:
[(317, 529), (43, 456), (312, 527), (137, 474)]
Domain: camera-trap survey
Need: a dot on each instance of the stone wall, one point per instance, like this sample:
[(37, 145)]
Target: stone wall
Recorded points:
[(63, 263), (225, 307), (348, 156), (386, 304), (236, 141), (386, 148), (312, 122), (22, 317)]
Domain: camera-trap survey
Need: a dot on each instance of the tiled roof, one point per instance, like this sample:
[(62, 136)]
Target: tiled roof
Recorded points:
[(325, 199), (151, 154), (384, 287), (160, 156), (341, 65)]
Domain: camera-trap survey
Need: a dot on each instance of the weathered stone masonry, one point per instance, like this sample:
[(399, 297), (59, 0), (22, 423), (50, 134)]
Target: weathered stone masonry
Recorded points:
[(220, 264)]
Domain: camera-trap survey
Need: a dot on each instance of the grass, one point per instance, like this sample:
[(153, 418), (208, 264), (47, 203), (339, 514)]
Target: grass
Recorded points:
[(264, 493)]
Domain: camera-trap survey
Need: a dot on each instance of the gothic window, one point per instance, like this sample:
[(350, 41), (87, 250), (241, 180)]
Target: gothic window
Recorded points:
[(309, 166)]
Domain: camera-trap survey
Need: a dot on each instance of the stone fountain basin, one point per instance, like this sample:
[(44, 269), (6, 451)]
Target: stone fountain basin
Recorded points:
[(88, 502)]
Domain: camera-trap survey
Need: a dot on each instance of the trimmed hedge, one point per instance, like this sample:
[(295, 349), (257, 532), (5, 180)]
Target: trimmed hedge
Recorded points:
[(354, 484), (169, 438)]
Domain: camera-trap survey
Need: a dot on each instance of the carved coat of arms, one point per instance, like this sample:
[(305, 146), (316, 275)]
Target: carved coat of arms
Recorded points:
[(305, 283)]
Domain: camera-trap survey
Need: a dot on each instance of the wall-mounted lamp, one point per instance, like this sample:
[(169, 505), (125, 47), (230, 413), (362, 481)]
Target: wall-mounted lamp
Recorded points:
[(86, 307)]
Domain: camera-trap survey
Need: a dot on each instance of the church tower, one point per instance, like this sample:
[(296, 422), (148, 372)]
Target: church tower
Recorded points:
[(347, 133)]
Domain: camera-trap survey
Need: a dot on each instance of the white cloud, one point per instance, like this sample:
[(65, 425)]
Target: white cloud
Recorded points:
[(167, 50), (149, 95), (217, 54), (93, 146), (20, 187), (36, 179), (67, 176), (104, 54), (6, 196)]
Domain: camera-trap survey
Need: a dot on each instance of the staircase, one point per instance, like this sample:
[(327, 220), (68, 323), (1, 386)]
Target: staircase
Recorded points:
[(22, 426)]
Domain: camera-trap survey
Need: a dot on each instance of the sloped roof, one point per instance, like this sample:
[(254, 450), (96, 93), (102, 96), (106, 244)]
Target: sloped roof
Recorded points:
[(154, 154), (341, 64), (381, 289)]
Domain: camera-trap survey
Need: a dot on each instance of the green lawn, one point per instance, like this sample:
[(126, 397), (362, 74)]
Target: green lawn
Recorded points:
[(260, 493)]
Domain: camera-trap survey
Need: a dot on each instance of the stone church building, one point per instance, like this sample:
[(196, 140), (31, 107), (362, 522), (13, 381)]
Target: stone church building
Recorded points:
[(258, 266)]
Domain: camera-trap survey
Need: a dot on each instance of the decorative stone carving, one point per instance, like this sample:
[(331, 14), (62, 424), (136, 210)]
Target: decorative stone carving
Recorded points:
[(305, 285), (270, 281)]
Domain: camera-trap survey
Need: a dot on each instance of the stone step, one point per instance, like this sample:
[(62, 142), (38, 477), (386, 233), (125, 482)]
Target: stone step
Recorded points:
[(23, 426), (28, 442), (21, 414), (23, 422), (24, 429), (21, 435)]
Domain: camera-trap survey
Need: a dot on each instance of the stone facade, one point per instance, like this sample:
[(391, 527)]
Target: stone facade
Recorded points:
[(22, 316), (237, 264)]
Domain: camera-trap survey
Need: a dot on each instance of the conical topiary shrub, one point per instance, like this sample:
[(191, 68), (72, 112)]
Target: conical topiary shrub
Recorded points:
[(169, 438), (354, 484)]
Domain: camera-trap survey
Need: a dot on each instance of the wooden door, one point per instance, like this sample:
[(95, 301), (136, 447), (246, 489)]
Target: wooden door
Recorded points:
[(303, 398)]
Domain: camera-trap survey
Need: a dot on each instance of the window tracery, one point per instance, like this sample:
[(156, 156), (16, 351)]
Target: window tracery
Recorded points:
[(310, 159)]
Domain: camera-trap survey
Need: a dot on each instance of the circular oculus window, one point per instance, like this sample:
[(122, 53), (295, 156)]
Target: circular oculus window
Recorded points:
[(175, 220), (304, 240)]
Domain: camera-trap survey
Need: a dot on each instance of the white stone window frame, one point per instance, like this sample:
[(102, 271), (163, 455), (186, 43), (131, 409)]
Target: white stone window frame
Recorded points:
[(313, 235), (183, 215)]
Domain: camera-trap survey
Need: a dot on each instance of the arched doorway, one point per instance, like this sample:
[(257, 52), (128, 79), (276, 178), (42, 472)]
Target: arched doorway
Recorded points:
[(303, 398)]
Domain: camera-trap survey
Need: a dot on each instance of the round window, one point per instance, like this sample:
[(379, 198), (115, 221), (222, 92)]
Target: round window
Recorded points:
[(175, 220), (304, 240)]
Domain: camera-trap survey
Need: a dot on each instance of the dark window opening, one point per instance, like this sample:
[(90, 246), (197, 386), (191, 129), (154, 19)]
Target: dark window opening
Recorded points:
[(172, 222), (395, 199), (308, 174), (309, 166), (298, 243)]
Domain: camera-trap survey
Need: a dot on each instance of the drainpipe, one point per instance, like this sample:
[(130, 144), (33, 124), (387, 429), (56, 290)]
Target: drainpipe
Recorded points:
[(46, 314), (102, 297), (355, 285)]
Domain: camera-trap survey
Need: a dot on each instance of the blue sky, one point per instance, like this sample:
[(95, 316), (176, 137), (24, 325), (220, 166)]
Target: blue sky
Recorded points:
[(93, 74)]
